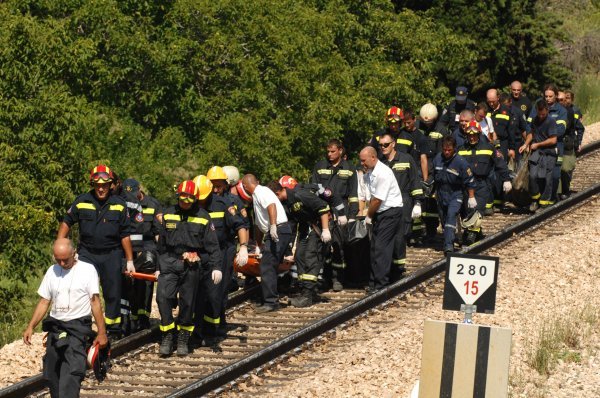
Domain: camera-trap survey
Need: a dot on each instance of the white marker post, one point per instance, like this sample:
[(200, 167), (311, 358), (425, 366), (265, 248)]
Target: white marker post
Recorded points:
[(471, 284)]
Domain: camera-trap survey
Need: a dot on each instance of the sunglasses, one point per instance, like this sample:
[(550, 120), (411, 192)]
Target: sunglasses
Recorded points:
[(187, 198), (385, 145), (102, 176)]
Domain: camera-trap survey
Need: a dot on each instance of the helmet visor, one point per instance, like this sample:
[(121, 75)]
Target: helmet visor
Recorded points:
[(101, 177), (186, 197), (393, 119)]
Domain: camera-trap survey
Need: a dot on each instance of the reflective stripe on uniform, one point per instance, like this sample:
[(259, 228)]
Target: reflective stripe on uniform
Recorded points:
[(172, 217), (501, 116), (352, 199), (112, 321), (197, 220), (325, 210), (450, 226), (168, 327), (217, 214), (436, 135), (536, 196), (401, 166), (88, 206), (562, 122), (416, 192), (489, 205), (214, 321), (338, 265), (418, 227), (484, 152), (400, 261), (428, 215), (324, 171), (403, 141), (187, 328), (116, 207), (464, 152), (340, 207), (347, 173), (546, 202), (136, 237), (148, 210), (143, 312), (307, 277)]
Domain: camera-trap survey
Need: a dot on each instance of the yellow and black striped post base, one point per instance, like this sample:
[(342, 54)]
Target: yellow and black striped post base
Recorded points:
[(464, 360)]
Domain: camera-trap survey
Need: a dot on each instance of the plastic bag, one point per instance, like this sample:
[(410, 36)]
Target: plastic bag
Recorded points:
[(357, 231)]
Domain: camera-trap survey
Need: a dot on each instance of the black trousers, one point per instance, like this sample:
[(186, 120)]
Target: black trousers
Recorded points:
[(272, 255), (177, 286), (109, 269), (310, 254), (65, 366), (385, 228), (209, 303)]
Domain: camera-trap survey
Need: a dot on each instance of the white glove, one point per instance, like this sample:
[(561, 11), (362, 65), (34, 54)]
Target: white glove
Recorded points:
[(325, 236), (416, 211), (472, 203), (368, 220), (342, 220), (507, 186), (257, 251), (156, 274), (242, 256), (130, 267), (273, 233), (217, 276)]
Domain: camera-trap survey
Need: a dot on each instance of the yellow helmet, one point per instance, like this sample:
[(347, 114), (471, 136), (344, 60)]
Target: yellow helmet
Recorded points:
[(204, 186), (216, 173)]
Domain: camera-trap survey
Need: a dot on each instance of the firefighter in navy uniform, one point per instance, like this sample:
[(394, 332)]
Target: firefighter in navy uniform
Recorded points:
[(189, 257), (104, 229), (430, 145), (557, 112), (228, 223), (407, 176), (146, 222), (519, 98), (448, 122), (409, 137), (483, 159), (314, 236), (452, 176), (337, 175), (572, 142), (541, 143), (393, 125)]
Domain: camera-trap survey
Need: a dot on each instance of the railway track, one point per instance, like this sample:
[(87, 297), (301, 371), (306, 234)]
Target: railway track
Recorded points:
[(255, 340)]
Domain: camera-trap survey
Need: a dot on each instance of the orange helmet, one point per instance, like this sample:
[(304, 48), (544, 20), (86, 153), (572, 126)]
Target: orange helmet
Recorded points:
[(186, 191), (288, 182), (394, 115), (101, 174)]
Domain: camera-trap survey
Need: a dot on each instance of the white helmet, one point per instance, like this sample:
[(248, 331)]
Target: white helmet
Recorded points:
[(471, 220), (233, 174), (428, 112)]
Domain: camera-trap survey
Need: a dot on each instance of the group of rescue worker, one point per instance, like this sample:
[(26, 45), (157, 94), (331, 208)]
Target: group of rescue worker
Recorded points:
[(452, 168)]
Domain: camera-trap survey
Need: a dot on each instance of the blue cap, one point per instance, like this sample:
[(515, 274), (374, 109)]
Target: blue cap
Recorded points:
[(461, 93), (131, 186)]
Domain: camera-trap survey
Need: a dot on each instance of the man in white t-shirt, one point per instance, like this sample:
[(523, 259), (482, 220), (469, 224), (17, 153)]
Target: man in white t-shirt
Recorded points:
[(385, 213), (72, 287), (271, 223)]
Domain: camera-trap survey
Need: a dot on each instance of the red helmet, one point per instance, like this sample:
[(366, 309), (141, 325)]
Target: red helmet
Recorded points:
[(242, 192), (394, 115), (101, 174), (473, 127), (288, 182), (186, 191)]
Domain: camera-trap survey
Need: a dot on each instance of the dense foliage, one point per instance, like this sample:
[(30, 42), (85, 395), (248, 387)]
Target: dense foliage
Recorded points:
[(161, 90)]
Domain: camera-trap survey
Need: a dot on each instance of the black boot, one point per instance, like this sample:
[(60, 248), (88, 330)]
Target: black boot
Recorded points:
[(166, 344), (183, 340), (305, 299)]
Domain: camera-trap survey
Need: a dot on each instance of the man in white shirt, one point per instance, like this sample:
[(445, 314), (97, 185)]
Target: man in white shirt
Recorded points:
[(72, 287), (271, 223), (385, 214)]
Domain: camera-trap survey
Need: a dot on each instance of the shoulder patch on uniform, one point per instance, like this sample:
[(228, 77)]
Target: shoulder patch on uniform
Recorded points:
[(139, 217), (297, 206), (327, 193), (523, 108)]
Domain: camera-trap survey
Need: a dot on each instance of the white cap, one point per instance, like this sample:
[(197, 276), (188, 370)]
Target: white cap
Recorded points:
[(233, 174), (428, 112)]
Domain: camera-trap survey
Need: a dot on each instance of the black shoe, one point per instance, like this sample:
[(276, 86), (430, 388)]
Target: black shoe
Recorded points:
[(261, 309), (337, 286), (534, 206), (143, 322), (371, 290), (448, 250), (183, 341), (302, 301), (166, 344), (125, 325)]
